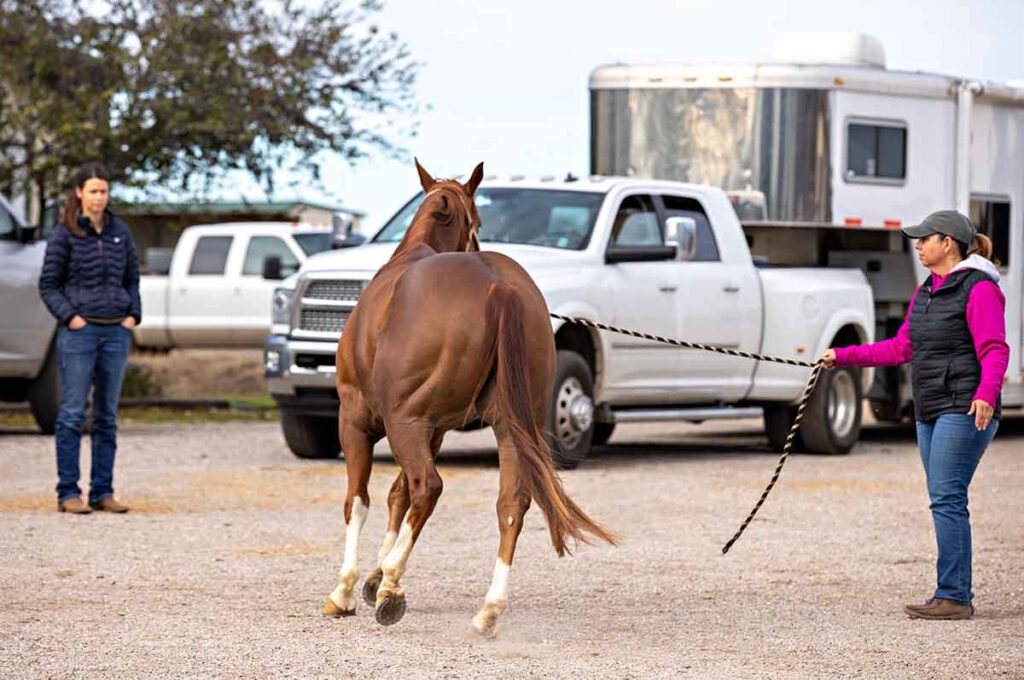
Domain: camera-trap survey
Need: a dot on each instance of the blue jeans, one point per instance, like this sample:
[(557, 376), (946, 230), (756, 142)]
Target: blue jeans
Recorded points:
[(91, 357), (951, 447)]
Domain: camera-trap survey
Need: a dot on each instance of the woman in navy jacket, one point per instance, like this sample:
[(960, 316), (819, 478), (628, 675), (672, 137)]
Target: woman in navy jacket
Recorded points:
[(90, 282)]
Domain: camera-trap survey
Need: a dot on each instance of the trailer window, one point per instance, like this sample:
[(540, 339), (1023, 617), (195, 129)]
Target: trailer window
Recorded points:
[(211, 255), (991, 216), (876, 152)]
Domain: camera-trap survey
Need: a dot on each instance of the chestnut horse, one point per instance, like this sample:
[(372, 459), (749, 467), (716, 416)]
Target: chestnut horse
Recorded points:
[(442, 335)]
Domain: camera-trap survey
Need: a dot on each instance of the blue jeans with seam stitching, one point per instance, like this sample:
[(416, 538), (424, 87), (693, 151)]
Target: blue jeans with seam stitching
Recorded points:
[(91, 357), (951, 448)]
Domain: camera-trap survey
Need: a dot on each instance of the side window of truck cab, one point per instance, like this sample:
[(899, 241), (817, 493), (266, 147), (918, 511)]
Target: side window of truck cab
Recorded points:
[(210, 256), (683, 206), (636, 223), (262, 247)]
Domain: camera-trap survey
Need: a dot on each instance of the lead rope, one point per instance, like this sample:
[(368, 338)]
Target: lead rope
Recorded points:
[(811, 382)]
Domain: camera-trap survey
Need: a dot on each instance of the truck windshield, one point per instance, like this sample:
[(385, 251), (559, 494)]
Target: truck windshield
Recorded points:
[(314, 243), (538, 217)]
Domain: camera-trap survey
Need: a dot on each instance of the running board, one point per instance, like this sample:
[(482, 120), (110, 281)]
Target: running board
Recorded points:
[(684, 414)]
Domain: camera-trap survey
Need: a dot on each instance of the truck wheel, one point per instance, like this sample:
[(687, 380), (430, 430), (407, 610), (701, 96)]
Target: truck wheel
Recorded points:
[(44, 393), (602, 433), (832, 420), (571, 419), (310, 436), (777, 421)]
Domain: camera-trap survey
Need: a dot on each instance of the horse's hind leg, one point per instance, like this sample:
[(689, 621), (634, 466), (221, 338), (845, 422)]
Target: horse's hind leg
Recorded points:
[(398, 505), (412, 445), (358, 448), (513, 502)]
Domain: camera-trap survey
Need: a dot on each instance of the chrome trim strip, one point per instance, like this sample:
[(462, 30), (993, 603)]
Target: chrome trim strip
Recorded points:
[(665, 415)]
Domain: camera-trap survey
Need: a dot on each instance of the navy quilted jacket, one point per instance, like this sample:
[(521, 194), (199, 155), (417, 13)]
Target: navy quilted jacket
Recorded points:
[(95, 276)]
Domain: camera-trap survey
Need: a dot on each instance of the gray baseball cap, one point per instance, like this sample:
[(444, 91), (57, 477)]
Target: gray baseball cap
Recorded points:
[(947, 222)]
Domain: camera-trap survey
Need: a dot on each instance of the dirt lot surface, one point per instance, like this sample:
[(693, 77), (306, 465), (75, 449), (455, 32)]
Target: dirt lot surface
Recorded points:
[(205, 373), (233, 545)]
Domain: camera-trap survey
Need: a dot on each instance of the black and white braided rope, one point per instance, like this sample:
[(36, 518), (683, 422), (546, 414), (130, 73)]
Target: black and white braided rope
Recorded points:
[(683, 343), (808, 390)]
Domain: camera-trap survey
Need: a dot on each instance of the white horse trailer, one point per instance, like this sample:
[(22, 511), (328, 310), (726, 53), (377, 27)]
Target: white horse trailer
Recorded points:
[(825, 158)]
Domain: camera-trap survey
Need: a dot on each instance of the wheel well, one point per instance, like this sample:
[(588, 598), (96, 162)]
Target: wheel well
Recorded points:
[(578, 339), (847, 335)]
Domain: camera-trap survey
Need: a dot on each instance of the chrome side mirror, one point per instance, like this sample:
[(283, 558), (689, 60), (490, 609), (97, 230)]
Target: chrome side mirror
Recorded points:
[(681, 232), (341, 230)]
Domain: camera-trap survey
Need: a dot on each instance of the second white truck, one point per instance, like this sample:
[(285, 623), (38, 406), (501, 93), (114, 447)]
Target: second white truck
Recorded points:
[(663, 257), (217, 291)]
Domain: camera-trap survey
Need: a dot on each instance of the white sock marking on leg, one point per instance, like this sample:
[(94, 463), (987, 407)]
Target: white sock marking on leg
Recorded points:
[(349, 573), (389, 543), (495, 602), (393, 564)]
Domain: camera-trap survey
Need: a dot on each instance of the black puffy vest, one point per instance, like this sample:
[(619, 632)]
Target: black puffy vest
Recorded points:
[(945, 368)]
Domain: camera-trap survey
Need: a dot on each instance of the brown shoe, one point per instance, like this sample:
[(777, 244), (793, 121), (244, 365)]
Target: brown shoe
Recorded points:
[(940, 609), (74, 505), (108, 504)]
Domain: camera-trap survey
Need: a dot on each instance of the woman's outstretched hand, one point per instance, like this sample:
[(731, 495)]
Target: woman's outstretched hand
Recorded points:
[(828, 359), (982, 412)]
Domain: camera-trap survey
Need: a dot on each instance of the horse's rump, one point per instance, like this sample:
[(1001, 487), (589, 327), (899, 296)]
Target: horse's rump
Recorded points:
[(435, 350)]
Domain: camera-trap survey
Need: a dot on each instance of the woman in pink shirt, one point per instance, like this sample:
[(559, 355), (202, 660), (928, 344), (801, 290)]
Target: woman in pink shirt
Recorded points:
[(954, 336)]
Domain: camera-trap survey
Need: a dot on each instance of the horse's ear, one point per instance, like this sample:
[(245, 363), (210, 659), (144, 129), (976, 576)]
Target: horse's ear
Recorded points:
[(475, 179), (426, 181)]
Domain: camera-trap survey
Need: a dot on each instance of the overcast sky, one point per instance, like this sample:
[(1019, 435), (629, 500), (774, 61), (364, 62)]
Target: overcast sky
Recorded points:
[(506, 83)]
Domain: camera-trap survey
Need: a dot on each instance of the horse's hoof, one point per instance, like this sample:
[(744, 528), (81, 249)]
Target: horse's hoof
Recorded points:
[(482, 631), (370, 586), (485, 625), (391, 609), (336, 612)]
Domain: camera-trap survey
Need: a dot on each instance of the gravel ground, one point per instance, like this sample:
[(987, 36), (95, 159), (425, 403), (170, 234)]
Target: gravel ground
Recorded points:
[(233, 545)]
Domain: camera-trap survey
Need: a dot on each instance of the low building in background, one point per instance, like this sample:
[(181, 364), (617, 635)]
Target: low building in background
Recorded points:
[(158, 225)]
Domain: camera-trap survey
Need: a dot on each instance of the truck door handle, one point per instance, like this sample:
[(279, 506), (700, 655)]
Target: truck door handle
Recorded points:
[(729, 288), (668, 288)]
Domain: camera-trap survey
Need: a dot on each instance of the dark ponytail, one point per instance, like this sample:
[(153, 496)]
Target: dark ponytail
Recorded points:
[(73, 206), (982, 246)]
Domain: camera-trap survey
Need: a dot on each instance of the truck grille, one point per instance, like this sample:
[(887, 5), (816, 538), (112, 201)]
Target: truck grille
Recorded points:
[(323, 320), (325, 305), (340, 291)]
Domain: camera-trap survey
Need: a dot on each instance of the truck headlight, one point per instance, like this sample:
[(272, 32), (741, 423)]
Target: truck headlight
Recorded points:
[(272, 362), (282, 305)]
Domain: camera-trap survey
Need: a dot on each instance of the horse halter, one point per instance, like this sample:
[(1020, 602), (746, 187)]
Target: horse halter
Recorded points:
[(473, 242)]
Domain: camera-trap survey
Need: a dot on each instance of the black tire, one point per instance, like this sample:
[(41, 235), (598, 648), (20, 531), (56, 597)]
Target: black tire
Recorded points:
[(832, 420), (571, 415), (44, 393), (602, 433), (310, 437), (777, 422)]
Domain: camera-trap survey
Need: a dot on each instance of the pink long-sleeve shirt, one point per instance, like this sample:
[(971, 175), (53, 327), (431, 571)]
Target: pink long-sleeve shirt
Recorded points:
[(986, 321)]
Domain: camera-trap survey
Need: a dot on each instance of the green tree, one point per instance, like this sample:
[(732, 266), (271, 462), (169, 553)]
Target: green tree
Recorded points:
[(167, 92)]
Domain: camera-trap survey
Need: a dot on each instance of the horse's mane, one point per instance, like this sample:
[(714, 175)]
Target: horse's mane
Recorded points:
[(443, 209)]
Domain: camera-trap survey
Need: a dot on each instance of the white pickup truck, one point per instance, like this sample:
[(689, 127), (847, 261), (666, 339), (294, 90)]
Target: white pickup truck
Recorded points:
[(217, 291), (663, 257)]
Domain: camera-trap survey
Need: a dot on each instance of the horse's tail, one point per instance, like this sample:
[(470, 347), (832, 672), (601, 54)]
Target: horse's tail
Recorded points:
[(565, 518)]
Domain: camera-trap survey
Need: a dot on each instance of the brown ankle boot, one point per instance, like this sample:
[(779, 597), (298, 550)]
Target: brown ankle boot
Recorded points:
[(108, 504), (74, 505), (940, 609)]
